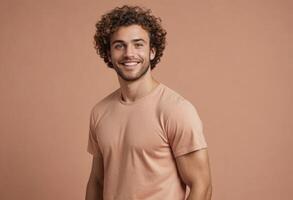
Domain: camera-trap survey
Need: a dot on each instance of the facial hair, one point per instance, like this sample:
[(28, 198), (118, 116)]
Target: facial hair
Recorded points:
[(141, 73)]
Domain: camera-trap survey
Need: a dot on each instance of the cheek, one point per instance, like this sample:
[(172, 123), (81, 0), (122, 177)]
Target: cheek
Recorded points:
[(144, 53), (116, 55)]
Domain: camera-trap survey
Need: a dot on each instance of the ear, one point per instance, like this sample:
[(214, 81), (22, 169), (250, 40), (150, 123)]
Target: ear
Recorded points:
[(152, 53)]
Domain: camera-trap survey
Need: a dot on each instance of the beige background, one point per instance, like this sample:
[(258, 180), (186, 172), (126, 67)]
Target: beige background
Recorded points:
[(231, 59)]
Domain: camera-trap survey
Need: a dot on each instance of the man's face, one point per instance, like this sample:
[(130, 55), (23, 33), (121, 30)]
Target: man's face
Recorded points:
[(130, 52)]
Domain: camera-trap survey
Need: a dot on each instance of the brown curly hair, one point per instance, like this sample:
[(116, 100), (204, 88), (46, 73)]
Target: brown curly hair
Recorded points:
[(125, 16)]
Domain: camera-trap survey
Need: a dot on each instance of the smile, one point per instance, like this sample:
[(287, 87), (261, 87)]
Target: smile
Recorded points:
[(130, 64)]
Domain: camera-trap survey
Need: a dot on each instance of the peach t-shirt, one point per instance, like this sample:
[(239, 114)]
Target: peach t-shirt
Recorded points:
[(139, 142)]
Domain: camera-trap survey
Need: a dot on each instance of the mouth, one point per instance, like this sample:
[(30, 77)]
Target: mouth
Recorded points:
[(130, 64)]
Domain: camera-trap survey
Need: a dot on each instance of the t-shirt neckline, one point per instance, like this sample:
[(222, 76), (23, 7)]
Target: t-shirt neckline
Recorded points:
[(140, 99)]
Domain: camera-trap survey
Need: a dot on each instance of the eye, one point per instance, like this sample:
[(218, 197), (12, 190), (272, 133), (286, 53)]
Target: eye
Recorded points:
[(138, 44), (118, 46)]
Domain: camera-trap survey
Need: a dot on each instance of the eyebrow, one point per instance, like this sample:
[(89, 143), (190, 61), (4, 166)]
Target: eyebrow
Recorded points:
[(134, 40)]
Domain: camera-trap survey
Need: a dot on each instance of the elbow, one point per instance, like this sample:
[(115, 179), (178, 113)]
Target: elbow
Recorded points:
[(201, 191)]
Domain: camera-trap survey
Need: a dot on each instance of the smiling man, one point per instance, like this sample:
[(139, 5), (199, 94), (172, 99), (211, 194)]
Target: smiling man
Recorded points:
[(130, 52), (146, 139)]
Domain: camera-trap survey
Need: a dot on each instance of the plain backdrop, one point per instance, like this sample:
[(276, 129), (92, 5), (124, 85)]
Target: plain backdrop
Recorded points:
[(232, 59)]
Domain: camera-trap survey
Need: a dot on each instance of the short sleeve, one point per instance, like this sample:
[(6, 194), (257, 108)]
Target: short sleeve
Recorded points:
[(93, 146), (184, 129)]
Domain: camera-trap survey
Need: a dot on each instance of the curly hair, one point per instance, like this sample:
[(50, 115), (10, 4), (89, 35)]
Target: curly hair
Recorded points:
[(125, 16)]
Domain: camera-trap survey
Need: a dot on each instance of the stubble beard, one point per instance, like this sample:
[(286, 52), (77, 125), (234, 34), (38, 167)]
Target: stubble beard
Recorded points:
[(140, 74)]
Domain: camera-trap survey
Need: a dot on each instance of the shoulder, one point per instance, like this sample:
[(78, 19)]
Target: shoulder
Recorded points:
[(103, 104), (177, 111), (173, 102)]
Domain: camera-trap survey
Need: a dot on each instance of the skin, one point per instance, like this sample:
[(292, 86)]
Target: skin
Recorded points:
[(131, 43), (194, 169)]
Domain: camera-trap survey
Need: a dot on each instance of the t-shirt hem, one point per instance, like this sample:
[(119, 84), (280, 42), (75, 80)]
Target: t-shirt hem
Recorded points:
[(93, 153), (90, 152), (189, 150)]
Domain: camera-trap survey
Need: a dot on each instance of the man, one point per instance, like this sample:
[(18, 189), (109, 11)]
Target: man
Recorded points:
[(146, 140)]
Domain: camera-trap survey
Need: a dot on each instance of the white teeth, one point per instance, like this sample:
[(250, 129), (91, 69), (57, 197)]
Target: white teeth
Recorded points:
[(130, 63)]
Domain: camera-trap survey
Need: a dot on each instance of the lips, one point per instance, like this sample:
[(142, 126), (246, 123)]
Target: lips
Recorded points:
[(130, 63)]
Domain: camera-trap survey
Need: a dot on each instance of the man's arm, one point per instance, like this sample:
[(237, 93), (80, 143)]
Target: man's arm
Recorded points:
[(94, 190), (194, 169)]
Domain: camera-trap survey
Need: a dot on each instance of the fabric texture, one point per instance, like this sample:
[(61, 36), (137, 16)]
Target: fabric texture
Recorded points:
[(139, 142)]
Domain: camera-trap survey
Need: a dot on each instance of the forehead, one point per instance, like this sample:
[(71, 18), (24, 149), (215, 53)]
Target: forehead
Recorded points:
[(129, 33)]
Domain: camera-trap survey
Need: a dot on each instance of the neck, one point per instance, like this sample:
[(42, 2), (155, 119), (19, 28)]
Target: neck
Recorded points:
[(132, 91)]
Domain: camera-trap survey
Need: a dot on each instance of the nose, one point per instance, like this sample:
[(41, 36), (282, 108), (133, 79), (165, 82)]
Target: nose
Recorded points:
[(129, 51)]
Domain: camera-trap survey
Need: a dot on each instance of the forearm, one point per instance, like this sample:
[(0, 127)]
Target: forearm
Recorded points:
[(94, 191), (200, 193)]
